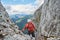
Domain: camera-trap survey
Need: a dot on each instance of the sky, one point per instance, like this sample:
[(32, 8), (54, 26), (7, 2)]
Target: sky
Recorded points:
[(21, 6)]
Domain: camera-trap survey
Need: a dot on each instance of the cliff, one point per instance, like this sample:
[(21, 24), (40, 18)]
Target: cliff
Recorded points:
[(8, 29), (49, 19)]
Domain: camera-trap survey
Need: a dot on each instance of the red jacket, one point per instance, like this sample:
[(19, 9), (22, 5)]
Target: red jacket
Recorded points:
[(30, 27)]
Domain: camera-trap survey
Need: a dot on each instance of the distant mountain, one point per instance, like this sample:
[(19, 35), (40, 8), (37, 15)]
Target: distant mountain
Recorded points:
[(20, 19)]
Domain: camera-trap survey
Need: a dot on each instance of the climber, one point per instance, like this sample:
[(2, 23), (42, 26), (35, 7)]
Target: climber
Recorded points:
[(31, 28)]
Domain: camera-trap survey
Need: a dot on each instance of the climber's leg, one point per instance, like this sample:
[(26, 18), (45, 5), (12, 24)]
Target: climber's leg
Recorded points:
[(29, 33), (33, 34)]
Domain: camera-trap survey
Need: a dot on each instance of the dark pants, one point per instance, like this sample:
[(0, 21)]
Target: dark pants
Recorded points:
[(32, 33)]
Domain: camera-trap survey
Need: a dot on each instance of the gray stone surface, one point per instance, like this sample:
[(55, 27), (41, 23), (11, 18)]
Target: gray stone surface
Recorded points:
[(50, 18), (9, 30)]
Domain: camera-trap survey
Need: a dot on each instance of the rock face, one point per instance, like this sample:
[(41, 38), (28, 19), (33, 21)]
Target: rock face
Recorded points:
[(50, 19), (9, 30), (37, 16)]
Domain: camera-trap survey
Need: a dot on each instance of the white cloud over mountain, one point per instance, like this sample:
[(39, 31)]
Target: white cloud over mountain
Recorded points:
[(15, 9), (27, 8)]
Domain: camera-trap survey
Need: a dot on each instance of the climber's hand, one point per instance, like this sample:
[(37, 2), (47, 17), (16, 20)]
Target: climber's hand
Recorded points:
[(22, 30), (36, 30)]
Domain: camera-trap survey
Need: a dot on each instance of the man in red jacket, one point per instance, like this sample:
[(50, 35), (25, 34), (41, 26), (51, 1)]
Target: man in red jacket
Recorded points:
[(31, 28)]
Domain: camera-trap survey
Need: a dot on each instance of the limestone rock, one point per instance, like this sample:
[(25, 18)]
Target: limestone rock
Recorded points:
[(50, 18), (8, 29)]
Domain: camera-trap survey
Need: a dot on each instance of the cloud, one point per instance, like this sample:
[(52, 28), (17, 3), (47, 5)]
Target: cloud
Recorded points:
[(27, 8), (16, 9)]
